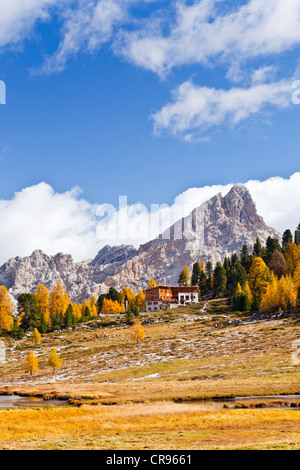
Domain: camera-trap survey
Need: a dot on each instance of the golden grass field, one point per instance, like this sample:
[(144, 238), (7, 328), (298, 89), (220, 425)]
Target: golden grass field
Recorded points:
[(153, 396)]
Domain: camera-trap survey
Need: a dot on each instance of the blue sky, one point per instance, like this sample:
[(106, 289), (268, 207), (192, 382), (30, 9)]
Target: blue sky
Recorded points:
[(147, 98)]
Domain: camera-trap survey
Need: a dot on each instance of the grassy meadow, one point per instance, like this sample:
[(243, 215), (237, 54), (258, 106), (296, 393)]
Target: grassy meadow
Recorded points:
[(153, 396)]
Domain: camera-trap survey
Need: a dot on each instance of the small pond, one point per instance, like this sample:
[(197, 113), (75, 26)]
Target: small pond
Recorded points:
[(8, 401)]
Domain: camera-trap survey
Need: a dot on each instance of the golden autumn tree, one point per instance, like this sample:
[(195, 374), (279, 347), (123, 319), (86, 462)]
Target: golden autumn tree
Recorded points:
[(58, 300), (248, 293), (36, 337), (31, 363), (141, 300), (112, 306), (286, 292), (127, 296), (270, 298), (76, 310), (259, 276), (296, 278), (292, 257), (238, 290), (6, 310), (93, 306), (85, 308), (42, 296), (137, 332), (185, 277), (152, 283), (54, 360), (279, 296)]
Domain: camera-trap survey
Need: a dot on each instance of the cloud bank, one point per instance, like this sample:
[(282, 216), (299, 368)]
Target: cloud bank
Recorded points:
[(39, 218)]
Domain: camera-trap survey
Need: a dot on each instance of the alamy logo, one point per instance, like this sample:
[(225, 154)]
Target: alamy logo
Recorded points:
[(2, 353), (2, 92)]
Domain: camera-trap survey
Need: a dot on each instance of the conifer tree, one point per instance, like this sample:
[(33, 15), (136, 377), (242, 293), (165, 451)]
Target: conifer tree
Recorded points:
[(185, 277), (259, 277), (137, 332), (36, 337), (257, 248), (6, 310), (42, 296), (54, 360), (152, 283), (196, 274), (43, 327), (287, 238), (220, 280), (135, 311), (31, 364)]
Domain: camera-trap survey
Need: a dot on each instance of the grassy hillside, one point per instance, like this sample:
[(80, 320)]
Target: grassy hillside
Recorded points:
[(189, 354)]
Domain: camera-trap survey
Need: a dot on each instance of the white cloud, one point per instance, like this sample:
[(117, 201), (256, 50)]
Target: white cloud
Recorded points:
[(207, 30), (183, 32), (86, 28), (18, 17), (195, 109), (39, 218)]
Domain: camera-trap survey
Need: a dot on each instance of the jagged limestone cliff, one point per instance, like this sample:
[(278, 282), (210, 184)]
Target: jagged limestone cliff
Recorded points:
[(214, 230)]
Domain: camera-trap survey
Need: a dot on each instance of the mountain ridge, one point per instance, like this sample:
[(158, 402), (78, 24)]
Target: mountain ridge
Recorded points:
[(215, 229)]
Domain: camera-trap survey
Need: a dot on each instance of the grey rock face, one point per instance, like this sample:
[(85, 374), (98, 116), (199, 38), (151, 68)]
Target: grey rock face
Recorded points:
[(218, 228), (114, 254)]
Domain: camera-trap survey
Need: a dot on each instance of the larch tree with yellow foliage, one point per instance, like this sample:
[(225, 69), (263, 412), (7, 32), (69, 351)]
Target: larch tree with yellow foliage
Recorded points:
[(259, 276), (93, 306), (6, 310), (31, 364), (112, 306), (152, 283), (292, 257), (54, 360), (128, 296), (58, 300), (185, 277), (42, 296), (296, 278), (248, 293), (36, 337), (137, 332), (141, 300)]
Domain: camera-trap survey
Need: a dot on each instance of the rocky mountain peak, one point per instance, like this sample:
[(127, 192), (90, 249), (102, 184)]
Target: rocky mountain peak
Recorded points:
[(218, 228)]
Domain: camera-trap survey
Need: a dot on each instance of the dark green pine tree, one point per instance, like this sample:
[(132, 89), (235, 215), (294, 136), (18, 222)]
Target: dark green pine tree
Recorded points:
[(234, 260), (287, 238), (69, 318), (226, 265), (43, 327), (31, 312), (220, 280), (271, 246), (129, 316), (196, 275), (297, 238), (209, 274), (135, 311), (237, 275), (114, 295), (257, 248), (246, 259)]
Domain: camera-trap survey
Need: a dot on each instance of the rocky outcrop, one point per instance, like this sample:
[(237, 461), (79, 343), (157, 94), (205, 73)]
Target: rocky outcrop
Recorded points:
[(114, 254), (218, 228)]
